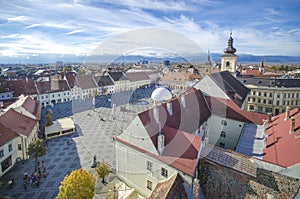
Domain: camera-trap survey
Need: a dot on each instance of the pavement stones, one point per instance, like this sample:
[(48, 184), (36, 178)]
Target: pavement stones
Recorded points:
[(95, 129)]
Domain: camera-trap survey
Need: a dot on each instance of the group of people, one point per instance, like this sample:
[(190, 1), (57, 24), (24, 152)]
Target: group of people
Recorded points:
[(35, 177)]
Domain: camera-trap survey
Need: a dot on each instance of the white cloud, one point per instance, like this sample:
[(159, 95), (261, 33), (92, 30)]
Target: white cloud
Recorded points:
[(75, 31), (18, 18), (10, 36)]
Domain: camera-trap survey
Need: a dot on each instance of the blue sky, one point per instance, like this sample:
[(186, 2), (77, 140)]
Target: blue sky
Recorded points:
[(32, 27)]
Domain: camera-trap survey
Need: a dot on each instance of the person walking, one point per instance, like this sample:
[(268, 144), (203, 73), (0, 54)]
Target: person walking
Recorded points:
[(25, 185)]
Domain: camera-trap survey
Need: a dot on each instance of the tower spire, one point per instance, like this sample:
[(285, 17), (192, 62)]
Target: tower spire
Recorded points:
[(230, 49)]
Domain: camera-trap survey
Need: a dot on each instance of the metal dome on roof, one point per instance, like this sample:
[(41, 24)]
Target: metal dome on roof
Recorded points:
[(161, 94)]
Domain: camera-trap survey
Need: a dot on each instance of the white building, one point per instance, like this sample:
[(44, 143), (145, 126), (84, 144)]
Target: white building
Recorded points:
[(53, 90), (167, 138)]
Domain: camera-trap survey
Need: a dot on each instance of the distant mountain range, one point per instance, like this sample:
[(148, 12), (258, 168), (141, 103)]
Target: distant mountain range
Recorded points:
[(52, 58)]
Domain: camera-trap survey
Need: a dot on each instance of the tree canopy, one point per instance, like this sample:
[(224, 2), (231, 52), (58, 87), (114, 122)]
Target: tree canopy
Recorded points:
[(37, 149), (79, 184), (102, 170)]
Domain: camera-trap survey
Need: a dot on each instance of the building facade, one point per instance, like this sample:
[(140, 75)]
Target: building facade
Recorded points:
[(229, 59)]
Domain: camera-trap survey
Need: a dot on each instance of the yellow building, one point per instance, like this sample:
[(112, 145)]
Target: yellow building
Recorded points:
[(271, 95)]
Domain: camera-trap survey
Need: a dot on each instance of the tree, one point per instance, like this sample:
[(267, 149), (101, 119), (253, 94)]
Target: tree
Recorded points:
[(102, 171), (36, 149), (79, 184), (104, 90), (48, 118)]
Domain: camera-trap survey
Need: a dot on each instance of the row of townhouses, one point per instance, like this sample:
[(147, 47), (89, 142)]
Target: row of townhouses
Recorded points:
[(55, 89)]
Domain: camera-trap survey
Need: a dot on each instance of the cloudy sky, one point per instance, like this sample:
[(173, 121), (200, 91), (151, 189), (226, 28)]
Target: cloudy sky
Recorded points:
[(33, 27)]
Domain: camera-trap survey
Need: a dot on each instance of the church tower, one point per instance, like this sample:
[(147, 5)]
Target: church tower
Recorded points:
[(229, 59)]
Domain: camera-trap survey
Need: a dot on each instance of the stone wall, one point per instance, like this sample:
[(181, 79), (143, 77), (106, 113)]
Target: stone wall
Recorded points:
[(221, 182)]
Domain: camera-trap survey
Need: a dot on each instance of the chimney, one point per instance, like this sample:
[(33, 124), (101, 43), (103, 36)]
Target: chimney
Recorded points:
[(287, 113), (196, 188), (292, 127), (169, 107), (182, 100), (269, 118), (156, 113), (160, 142)]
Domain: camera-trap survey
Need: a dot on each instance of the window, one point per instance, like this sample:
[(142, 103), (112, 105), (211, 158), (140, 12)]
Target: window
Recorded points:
[(164, 172), (265, 94), (224, 122), (228, 64), (253, 93), (222, 144), (268, 110), (270, 95), (251, 107), (9, 148), (19, 147), (259, 93), (149, 185), (264, 101), (223, 134), (254, 99), (149, 165), (1, 153), (258, 101), (270, 102)]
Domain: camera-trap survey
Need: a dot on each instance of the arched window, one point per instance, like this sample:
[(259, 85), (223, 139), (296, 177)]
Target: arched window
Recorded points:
[(223, 134), (227, 64)]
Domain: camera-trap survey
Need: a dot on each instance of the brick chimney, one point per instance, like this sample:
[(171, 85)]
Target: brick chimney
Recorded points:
[(287, 113), (292, 127)]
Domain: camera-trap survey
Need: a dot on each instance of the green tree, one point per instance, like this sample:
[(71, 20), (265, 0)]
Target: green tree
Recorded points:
[(48, 118), (102, 171), (104, 90), (37, 149), (79, 184)]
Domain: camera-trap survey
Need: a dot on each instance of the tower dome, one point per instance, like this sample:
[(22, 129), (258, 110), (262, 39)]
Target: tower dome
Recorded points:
[(161, 94), (230, 49)]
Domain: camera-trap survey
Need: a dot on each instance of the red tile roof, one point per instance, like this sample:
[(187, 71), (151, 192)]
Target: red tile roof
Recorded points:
[(282, 147), (33, 107), (71, 79), (227, 108), (54, 85), (171, 188), (6, 135), (17, 122), (21, 86), (86, 81), (181, 150), (187, 119), (137, 76)]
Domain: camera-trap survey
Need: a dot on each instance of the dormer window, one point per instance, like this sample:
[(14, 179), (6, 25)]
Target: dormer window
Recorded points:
[(224, 122)]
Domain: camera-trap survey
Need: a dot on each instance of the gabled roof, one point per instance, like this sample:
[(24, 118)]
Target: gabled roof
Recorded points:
[(17, 122), (32, 106), (187, 117), (228, 109), (171, 188), (117, 76), (53, 85), (137, 76), (282, 147), (86, 81), (181, 149), (21, 86), (6, 135), (71, 79), (231, 86), (105, 81)]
